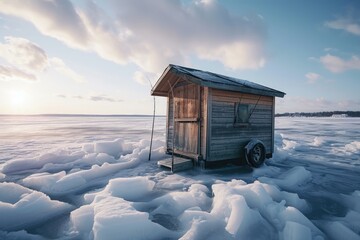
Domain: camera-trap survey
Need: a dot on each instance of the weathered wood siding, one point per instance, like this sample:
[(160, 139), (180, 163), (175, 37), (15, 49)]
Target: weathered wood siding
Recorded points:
[(226, 139), (185, 108), (203, 123), (169, 123)]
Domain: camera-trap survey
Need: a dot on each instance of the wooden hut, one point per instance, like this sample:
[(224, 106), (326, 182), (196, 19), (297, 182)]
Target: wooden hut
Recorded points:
[(212, 118)]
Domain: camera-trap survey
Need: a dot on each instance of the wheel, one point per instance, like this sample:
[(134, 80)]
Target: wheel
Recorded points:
[(256, 155)]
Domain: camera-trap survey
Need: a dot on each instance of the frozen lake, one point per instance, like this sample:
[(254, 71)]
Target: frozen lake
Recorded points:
[(88, 177)]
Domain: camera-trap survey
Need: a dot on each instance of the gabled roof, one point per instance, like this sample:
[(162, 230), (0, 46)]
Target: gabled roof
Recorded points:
[(208, 79)]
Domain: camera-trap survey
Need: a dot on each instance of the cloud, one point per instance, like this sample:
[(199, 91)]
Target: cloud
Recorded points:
[(8, 73), (150, 34), (28, 61), (59, 65), (312, 77), (23, 53), (346, 24), (51, 18), (103, 98), (140, 77), (336, 64), (95, 98), (144, 77)]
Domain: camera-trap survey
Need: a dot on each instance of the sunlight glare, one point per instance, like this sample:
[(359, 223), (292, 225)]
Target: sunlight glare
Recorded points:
[(17, 98)]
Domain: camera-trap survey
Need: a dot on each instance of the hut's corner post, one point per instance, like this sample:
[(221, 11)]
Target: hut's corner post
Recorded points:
[(208, 122), (273, 126)]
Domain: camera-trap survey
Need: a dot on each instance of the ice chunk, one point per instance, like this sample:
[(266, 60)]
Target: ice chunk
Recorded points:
[(289, 144), (97, 158), (239, 205), (82, 220), (88, 148), (338, 231), (290, 179), (78, 180), (192, 214), (242, 220), (175, 203), (352, 201), (12, 192), (202, 225), (56, 157), (318, 141), (173, 182), (115, 218), (294, 215), (296, 231), (97, 153), (352, 220), (32, 207), (43, 181), (292, 199), (113, 148), (131, 189), (19, 235), (353, 147), (259, 205)]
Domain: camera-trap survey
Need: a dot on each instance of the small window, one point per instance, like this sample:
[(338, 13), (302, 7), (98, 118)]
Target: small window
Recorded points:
[(242, 113)]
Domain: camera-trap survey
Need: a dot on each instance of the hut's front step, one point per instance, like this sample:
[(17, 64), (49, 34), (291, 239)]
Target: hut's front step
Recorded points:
[(180, 164)]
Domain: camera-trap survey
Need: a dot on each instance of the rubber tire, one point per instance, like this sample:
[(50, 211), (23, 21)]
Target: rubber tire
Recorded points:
[(256, 156)]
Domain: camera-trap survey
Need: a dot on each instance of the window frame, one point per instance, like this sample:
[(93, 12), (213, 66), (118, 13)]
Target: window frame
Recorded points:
[(240, 109)]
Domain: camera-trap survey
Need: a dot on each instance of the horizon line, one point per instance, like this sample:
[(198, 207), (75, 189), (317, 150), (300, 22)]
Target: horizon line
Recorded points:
[(81, 115)]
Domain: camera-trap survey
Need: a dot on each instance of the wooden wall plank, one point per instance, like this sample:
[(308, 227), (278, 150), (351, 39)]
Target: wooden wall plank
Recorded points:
[(221, 93), (228, 139)]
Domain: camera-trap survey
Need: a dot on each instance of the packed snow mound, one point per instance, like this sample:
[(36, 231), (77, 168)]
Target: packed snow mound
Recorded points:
[(32, 207)]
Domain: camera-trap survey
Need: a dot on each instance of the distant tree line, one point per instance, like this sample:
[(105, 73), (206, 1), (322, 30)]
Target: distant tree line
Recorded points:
[(320, 114)]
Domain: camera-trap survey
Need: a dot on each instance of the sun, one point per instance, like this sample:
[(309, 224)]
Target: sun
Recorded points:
[(17, 98)]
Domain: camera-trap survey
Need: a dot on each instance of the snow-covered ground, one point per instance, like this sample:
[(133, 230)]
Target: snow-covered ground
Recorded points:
[(89, 178)]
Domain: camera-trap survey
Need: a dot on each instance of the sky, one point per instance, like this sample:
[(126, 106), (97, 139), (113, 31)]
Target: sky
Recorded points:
[(99, 57)]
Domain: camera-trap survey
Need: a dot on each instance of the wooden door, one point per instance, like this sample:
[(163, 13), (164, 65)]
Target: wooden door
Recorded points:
[(186, 119)]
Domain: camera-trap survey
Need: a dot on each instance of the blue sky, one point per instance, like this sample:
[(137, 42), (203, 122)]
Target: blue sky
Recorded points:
[(95, 57)]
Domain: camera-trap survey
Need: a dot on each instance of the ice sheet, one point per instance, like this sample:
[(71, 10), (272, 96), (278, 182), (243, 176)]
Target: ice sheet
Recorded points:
[(99, 171)]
